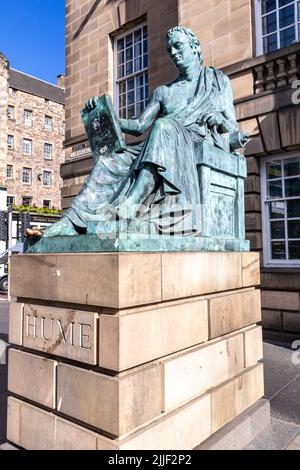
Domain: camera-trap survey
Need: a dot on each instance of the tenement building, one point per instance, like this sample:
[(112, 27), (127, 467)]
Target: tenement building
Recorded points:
[(31, 139), (118, 47)]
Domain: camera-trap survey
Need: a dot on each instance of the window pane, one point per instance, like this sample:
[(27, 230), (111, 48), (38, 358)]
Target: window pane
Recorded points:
[(138, 36), (121, 56), (138, 64), (139, 80), (298, 9), (140, 94), (275, 188), (277, 210), (130, 97), (128, 40), (130, 84), (292, 187), (292, 167), (269, 23), (268, 5), (277, 230), (122, 88), (121, 71), (131, 112), (270, 43), (122, 101), (129, 68), (145, 61), (120, 44), (284, 2), (294, 228), (128, 54), (286, 16), (273, 170), (139, 108), (138, 49), (293, 208), (294, 250), (287, 37), (278, 250)]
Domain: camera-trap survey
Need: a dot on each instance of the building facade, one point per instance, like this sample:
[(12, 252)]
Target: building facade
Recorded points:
[(32, 129), (118, 47)]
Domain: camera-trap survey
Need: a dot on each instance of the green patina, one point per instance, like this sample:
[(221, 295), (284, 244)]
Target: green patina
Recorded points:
[(182, 189)]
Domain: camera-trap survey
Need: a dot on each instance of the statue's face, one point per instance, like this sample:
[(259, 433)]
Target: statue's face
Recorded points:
[(180, 50)]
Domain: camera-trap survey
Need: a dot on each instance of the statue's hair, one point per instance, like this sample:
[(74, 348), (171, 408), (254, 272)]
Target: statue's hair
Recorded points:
[(193, 40)]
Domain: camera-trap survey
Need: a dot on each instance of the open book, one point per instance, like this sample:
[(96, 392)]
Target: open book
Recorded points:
[(102, 128)]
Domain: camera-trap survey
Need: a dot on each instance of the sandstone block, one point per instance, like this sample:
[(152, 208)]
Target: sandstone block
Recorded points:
[(230, 312), (29, 427), (179, 430), (253, 346), (195, 372), (271, 319), (16, 323), (140, 335), (70, 436), (114, 405), (32, 377), (235, 396), (251, 269), (280, 300), (62, 332), (207, 273)]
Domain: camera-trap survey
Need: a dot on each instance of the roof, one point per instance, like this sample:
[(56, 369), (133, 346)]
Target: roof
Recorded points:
[(34, 86)]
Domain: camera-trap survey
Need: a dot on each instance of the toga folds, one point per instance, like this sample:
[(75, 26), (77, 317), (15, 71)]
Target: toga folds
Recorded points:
[(174, 207)]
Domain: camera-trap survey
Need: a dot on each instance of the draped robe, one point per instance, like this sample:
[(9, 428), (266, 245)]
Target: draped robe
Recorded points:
[(174, 207)]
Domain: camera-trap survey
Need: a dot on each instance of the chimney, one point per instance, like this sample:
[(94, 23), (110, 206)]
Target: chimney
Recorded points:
[(61, 81)]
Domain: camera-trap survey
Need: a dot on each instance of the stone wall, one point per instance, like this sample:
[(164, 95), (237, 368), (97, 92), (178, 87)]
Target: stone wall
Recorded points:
[(224, 28), (89, 69), (40, 107), (3, 117)]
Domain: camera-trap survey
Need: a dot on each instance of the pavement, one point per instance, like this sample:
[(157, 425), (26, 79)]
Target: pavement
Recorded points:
[(282, 388)]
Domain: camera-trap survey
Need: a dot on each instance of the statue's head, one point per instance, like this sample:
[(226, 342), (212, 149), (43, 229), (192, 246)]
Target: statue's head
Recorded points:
[(183, 45)]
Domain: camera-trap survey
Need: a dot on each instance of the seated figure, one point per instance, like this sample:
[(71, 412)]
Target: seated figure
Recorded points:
[(160, 173)]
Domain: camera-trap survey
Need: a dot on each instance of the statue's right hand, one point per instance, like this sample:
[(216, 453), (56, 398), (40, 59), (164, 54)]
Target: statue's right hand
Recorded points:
[(92, 103)]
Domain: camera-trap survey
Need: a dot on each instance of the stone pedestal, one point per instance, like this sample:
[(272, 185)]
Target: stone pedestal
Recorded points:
[(132, 350)]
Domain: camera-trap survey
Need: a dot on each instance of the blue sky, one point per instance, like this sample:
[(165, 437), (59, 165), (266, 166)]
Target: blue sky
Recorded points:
[(32, 36)]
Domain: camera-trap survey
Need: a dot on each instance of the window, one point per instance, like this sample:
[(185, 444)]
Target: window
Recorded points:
[(131, 69), (281, 210), (46, 204), (47, 178), (10, 200), (10, 142), (27, 147), (27, 175), (9, 172), (28, 116), (48, 123), (48, 151), (26, 201), (11, 112), (277, 24)]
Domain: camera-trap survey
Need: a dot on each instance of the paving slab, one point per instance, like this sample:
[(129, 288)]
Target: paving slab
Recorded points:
[(286, 404), (295, 444), (277, 436), (279, 368)]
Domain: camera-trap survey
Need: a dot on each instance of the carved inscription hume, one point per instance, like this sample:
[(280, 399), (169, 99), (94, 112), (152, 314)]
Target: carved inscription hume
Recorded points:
[(61, 332)]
